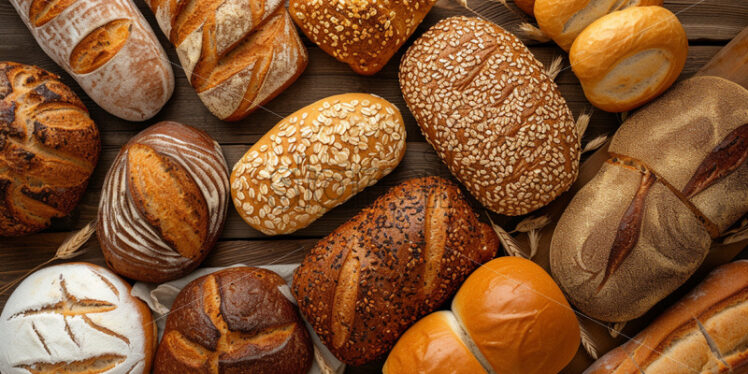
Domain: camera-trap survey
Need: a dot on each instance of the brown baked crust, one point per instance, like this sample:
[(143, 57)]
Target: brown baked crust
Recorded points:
[(397, 260), (234, 321), (49, 147), (492, 114), (364, 34), (526, 6)]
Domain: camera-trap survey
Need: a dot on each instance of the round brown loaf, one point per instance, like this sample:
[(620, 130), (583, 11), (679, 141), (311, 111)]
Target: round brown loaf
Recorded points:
[(45, 167), (235, 320), (163, 203), (627, 58), (492, 114)]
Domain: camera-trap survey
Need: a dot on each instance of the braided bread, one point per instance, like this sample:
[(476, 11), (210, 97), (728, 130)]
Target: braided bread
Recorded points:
[(237, 54), (48, 148)]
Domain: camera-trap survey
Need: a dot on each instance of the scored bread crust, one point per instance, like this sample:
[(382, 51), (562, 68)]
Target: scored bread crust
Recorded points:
[(108, 48), (492, 114), (45, 168), (397, 260)]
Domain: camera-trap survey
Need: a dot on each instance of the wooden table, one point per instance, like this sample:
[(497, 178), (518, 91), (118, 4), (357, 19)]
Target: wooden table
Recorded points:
[(709, 24)]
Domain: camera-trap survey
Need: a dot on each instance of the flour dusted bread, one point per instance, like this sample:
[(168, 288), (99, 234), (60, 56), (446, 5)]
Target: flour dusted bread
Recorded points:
[(108, 48), (75, 318), (164, 203), (316, 159), (44, 168)]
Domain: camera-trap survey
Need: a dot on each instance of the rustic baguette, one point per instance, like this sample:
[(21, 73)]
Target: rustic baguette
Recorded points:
[(316, 159), (397, 260), (237, 54), (44, 170), (108, 48), (705, 332)]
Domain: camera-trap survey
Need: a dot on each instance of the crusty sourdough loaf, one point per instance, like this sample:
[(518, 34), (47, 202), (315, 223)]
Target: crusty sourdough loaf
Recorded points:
[(108, 48), (316, 159), (163, 203), (45, 167), (564, 20), (677, 177), (362, 33), (237, 54), (492, 114), (236, 320), (75, 318), (705, 332), (627, 58), (397, 260)]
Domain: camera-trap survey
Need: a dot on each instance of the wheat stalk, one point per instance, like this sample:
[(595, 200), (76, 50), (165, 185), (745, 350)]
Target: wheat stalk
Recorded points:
[(532, 226), (72, 247), (507, 241), (595, 143), (587, 343), (555, 67), (582, 122), (530, 31), (615, 329)]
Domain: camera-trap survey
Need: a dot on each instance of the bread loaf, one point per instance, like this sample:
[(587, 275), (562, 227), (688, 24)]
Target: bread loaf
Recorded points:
[(75, 318), (508, 317), (316, 159), (492, 114), (564, 20), (363, 34), (235, 320), (397, 260), (108, 48), (237, 54), (163, 203), (627, 58), (677, 177), (526, 6), (49, 147), (706, 332)]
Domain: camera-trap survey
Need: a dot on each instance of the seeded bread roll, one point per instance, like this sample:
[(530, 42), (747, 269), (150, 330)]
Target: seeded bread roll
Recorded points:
[(705, 332), (677, 178), (236, 320), (108, 48), (237, 54), (76, 318), (397, 260), (316, 159), (363, 33), (627, 58), (163, 204), (492, 114), (564, 20), (45, 167)]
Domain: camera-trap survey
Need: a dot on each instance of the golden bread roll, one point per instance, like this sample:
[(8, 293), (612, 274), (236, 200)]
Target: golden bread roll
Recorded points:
[(564, 20), (526, 6), (492, 114), (627, 58), (316, 159), (705, 332)]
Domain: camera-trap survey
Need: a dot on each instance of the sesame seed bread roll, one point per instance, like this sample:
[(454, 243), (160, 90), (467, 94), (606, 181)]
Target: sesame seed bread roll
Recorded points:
[(362, 33), (564, 20), (76, 318), (627, 58), (316, 159), (397, 260), (492, 114)]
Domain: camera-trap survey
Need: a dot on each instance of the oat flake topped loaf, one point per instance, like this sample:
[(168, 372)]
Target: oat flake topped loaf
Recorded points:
[(493, 115)]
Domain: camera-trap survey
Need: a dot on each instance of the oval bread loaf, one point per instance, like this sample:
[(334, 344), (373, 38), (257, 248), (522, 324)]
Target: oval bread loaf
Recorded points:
[(45, 167), (316, 159), (627, 58), (108, 48), (76, 318), (397, 260), (677, 178), (164, 203), (492, 114)]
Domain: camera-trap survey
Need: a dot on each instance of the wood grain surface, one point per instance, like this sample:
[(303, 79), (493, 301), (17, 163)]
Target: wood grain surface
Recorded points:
[(710, 24)]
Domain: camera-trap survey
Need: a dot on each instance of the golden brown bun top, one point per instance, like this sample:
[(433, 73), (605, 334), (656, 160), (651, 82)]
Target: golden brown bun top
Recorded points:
[(518, 317)]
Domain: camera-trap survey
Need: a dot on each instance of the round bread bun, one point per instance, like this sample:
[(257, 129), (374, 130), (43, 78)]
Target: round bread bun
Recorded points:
[(629, 57), (564, 20), (517, 318), (75, 318), (526, 6)]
